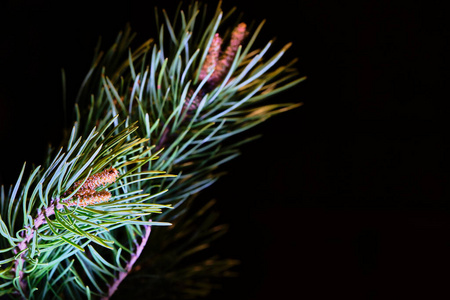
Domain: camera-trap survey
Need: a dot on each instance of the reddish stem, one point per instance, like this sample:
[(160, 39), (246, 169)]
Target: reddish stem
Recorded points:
[(134, 257), (40, 219)]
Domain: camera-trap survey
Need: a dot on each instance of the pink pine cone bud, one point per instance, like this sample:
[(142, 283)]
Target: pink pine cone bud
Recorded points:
[(87, 194), (212, 58), (223, 66)]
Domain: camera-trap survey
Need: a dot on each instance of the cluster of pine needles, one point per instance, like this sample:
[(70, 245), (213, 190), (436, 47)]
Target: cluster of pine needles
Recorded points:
[(153, 126)]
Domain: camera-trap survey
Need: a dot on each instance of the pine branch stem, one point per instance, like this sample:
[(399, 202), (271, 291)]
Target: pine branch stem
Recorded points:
[(38, 221), (134, 257)]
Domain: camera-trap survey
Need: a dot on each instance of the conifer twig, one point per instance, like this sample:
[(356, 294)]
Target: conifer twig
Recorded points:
[(189, 103)]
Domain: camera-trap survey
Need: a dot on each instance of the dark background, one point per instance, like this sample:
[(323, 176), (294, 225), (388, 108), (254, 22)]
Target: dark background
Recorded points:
[(346, 196)]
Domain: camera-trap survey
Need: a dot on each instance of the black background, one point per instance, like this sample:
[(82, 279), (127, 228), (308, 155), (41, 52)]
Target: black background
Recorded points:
[(346, 196)]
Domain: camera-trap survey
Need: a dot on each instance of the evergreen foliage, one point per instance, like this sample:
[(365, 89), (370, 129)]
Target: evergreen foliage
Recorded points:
[(168, 114)]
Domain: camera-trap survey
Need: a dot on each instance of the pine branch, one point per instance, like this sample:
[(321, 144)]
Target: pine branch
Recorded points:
[(193, 91)]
